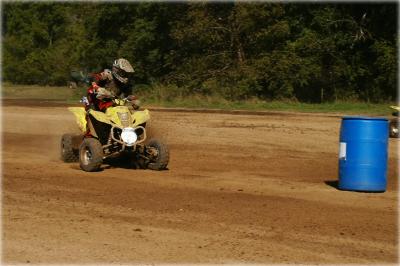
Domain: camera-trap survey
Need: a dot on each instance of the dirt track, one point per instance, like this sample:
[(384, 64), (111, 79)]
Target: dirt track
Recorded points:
[(239, 189)]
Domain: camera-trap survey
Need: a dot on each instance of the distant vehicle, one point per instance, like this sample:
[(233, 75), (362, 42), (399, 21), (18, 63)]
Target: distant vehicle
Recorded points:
[(78, 79), (394, 122)]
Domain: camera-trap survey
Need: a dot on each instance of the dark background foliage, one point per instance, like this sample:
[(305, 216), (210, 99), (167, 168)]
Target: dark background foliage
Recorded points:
[(307, 52)]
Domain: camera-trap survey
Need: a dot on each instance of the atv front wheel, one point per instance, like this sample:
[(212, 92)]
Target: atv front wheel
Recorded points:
[(394, 128), (158, 153), (68, 154), (90, 155)]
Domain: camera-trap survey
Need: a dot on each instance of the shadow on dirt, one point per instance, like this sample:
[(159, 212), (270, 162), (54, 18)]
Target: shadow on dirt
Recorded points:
[(112, 163), (125, 162), (121, 162), (333, 183), (76, 166)]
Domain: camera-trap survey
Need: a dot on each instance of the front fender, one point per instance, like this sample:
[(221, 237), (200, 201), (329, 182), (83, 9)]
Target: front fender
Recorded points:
[(140, 117), (100, 116)]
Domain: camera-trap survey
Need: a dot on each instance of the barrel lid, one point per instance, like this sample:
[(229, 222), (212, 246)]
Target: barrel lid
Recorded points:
[(363, 118)]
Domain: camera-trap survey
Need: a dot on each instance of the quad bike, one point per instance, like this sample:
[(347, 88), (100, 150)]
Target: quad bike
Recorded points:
[(116, 134), (394, 123)]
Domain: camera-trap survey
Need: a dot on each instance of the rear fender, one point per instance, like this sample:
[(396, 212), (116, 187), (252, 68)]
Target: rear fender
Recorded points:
[(80, 116)]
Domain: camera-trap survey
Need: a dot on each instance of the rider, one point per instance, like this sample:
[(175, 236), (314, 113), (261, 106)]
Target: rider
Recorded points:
[(111, 83)]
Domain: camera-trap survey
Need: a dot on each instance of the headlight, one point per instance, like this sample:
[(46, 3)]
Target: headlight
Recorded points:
[(129, 136)]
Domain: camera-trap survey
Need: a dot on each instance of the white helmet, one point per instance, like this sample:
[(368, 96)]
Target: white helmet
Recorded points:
[(122, 70)]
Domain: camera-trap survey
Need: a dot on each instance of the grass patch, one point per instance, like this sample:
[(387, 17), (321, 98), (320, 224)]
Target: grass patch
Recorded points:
[(35, 92), (10, 91), (161, 98), (342, 107)]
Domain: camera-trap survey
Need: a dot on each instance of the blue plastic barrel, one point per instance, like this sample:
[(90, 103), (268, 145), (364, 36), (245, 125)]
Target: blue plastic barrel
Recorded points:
[(363, 154)]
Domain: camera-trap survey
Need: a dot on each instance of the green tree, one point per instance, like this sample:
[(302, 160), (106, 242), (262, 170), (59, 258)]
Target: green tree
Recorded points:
[(307, 52)]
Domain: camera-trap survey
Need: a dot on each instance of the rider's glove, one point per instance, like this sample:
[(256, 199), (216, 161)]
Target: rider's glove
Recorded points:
[(134, 101), (103, 93), (95, 86), (85, 101), (131, 98), (136, 104)]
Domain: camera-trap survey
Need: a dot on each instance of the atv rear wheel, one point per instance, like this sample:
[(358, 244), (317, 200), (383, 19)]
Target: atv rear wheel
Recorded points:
[(90, 155), (394, 128), (158, 153), (68, 153)]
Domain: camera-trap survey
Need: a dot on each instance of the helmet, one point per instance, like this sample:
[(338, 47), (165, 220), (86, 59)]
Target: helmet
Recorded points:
[(122, 70)]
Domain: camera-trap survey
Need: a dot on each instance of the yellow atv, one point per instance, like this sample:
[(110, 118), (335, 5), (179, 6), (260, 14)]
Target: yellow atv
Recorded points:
[(394, 123), (119, 132)]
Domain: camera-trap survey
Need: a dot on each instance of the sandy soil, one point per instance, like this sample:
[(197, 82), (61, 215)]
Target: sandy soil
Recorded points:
[(239, 189)]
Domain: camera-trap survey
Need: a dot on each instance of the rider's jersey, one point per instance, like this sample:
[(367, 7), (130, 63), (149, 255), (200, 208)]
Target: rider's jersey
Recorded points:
[(106, 80)]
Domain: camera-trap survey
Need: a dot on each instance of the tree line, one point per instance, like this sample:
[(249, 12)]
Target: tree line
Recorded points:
[(315, 52)]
